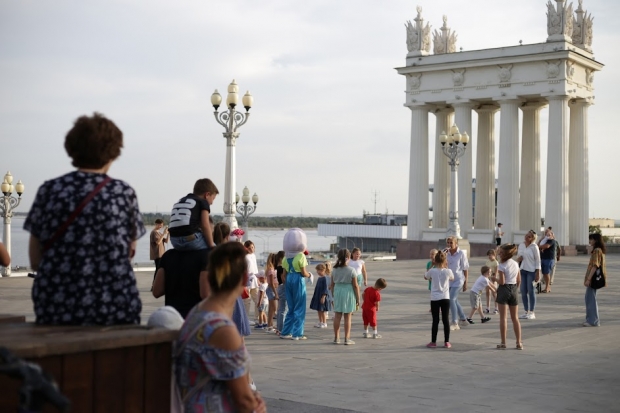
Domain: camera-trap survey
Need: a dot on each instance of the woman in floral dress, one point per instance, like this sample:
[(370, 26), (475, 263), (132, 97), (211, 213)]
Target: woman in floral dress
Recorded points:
[(84, 273)]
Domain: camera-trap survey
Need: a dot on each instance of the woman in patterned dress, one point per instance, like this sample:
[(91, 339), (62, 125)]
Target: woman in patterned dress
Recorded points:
[(213, 365), (84, 273)]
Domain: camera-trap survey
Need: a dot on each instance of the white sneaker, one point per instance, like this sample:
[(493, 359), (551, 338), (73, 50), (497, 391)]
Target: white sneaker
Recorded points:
[(524, 316), (531, 316), (318, 325), (324, 325), (454, 326)]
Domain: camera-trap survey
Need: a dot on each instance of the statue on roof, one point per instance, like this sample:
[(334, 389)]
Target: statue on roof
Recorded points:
[(559, 21), (582, 31), (418, 36), (444, 41)]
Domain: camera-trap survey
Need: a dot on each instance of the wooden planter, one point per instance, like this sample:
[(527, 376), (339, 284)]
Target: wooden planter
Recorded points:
[(100, 369)]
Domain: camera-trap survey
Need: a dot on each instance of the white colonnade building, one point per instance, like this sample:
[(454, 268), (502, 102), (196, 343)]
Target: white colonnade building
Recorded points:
[(451, 85)]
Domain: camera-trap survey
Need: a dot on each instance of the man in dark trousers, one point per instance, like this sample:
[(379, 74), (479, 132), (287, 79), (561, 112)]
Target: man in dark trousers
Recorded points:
[(178, 278)]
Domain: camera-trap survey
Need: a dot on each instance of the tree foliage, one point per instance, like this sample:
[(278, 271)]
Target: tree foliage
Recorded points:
[(261, 222)]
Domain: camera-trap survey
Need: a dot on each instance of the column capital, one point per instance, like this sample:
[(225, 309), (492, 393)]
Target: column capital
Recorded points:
[(419, 106), (442, 109), (554, 96), (487, 108), (461, 102), (508, 99), (581, 102), (529, 106)]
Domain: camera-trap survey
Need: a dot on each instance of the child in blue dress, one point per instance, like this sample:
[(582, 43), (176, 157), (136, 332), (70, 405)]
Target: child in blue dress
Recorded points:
[(328, 278), (321, 302)]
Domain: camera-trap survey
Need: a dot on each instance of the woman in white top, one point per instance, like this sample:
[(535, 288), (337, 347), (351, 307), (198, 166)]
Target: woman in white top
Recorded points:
[(529, 257), (359, 266), (252, 284), (440, 278), (509, 280)]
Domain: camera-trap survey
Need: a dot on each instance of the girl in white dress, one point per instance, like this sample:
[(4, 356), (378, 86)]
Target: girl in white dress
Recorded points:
[(359, 266)]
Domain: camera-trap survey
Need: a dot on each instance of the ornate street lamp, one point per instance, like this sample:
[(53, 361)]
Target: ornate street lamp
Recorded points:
[(455, 148), (7, 205), (231, 120), (246, 210)]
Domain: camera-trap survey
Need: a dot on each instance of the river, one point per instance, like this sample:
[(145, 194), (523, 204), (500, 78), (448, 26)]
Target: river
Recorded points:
[(265, 240)]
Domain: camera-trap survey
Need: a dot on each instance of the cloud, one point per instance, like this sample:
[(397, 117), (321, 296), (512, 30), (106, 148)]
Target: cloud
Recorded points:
[(328, 125)]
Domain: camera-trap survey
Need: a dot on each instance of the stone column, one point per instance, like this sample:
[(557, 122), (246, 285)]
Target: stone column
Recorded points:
[(529, 203), (485, 168), (441, 184), (417, 214), (508, 177), (462, 118), (578, 178), (556, 201)]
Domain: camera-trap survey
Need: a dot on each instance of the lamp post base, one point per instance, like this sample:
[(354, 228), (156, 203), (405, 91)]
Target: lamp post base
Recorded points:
[(231, 220)]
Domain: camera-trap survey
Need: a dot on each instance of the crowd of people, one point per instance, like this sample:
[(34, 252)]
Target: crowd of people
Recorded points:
[(448, 271), (83, 231)]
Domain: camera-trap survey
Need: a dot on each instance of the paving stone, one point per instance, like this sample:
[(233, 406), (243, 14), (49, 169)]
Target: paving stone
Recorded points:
[(564, 366)]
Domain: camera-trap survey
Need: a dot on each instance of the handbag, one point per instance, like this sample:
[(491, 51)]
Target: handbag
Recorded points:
[(598, 279), (245, 294)]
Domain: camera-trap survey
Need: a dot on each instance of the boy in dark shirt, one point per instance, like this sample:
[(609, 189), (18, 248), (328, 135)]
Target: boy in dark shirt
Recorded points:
[(189, 227)]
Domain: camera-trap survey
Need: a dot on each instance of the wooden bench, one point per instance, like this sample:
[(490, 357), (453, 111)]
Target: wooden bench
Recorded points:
[(100, 369), (12, 318)]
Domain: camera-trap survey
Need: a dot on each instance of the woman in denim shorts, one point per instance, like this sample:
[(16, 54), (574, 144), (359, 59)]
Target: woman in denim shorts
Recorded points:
[(509, 279)]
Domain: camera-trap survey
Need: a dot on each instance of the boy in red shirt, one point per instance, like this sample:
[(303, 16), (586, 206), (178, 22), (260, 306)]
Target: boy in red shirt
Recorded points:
[(372, 296)]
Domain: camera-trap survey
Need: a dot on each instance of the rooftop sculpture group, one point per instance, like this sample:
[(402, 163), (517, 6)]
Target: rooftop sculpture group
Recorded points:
[(562, 25)]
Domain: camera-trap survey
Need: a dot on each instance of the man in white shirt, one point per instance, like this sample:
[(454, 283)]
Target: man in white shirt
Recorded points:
[(499, 234)]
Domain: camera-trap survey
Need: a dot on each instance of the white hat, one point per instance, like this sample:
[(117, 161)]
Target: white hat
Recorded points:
[(166, 317)]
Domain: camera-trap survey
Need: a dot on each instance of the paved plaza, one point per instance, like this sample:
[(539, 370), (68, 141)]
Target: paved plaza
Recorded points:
[(564, 367)]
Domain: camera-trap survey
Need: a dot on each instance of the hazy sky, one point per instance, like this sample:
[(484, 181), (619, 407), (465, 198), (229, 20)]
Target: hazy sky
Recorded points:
[(328, 126)]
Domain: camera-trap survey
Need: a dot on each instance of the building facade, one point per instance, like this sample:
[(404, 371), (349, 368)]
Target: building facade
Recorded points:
[(558, 73)]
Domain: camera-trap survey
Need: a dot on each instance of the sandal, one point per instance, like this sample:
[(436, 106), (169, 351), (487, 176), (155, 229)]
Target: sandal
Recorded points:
[(519, 346), (501, 346)]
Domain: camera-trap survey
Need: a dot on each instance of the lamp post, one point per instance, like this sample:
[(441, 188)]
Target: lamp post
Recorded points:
[(8, 204), (231, 120), (455, 148), (246, 210), (264, 236)]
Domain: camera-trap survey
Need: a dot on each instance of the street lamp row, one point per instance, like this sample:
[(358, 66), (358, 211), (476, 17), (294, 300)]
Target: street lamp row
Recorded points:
[(246, 210), (8, 204)]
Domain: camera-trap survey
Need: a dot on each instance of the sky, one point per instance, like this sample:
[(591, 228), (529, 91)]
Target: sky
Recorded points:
[(328, 129)]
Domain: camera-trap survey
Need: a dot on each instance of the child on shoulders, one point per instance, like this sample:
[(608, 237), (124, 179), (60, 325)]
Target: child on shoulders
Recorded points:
[(189, 226)]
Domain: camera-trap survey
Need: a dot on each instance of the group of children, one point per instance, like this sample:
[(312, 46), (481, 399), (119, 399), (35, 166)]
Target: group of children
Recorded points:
[(322, 299), (439, 277)]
